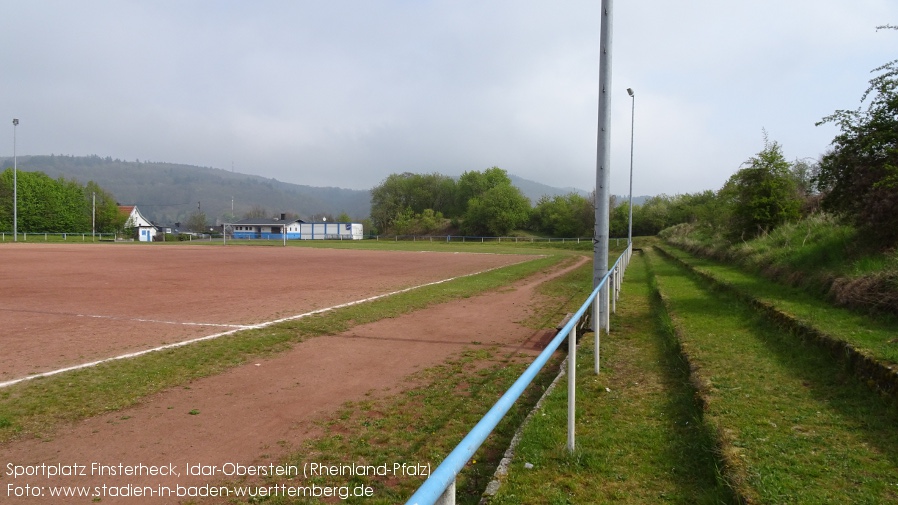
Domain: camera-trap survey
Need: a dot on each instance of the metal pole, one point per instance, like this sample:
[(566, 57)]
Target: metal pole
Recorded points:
[(15, 185), (571, 386), (632, 129), (603, 160), (597, 332), (448, 496), (93, 217), (607, 302)]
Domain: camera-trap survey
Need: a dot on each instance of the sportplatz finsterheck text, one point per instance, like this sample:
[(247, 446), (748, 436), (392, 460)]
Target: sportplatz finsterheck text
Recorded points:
[(226, 469)]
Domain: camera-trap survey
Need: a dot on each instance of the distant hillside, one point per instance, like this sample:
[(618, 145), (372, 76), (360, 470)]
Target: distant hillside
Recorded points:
[(170, 192), (534, 190), (637, 200)]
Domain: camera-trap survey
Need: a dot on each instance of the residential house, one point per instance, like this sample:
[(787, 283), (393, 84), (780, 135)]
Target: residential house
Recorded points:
[(144, 229)]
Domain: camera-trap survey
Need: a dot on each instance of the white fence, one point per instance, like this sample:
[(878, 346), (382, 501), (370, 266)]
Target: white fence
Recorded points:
[(56, 237)]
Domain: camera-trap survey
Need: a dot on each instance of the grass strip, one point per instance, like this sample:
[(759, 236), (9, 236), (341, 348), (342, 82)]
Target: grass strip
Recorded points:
[(421, 426), (437, 244), (874, 333), (867, 345), (37, 407), (792, 427), (639, 436)]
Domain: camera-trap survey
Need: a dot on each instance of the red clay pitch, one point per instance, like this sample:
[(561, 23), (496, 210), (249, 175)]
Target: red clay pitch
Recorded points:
[(255, 413), (64, 305)]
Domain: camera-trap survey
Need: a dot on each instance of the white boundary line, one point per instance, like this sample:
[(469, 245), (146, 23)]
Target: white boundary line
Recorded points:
[(239, 329), (180, 323)]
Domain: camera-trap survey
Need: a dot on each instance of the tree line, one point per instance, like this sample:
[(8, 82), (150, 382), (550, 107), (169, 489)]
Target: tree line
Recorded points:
[(56, 205), (477, 203)]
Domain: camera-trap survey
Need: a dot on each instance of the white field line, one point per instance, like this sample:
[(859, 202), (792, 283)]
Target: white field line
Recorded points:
[(239, 329), (181, 323)]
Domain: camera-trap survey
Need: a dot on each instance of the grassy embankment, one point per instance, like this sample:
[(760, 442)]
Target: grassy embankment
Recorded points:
[(785, 420), (791, 426), (864, 344), (819, 254)]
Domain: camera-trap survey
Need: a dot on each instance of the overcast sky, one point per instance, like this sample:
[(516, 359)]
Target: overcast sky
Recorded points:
[(344, 93)]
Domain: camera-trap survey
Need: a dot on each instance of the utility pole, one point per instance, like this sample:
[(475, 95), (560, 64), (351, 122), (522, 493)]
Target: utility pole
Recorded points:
[(15, 184), (603, 151), (632, 130), (93, 218), (600, 313)]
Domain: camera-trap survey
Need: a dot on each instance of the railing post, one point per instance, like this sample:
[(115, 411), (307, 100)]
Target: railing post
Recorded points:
[(597, 332), (619, 281), (607, 302), (448, 496), (571, 386), (613, 279)]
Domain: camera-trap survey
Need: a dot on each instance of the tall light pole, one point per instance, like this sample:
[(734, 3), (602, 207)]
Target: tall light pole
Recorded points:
[(632, 125), (603, 151), (15, 185)]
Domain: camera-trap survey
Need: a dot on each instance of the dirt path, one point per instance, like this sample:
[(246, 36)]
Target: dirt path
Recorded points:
[(254, 413)]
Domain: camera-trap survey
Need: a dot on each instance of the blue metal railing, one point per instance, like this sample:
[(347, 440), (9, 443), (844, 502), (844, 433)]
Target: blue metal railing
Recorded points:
[(440, 486)]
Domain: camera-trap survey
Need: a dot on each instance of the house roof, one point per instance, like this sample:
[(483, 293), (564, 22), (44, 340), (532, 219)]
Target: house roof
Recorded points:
[(134, 216), (262, 221)]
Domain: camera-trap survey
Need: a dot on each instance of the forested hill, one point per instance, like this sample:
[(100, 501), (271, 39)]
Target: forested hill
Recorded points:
[(169, 192)]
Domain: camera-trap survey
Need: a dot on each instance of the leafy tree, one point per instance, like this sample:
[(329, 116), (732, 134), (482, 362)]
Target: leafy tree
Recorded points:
[(410, 223), (493, 205), (763, 195), (803, 172), (415, 192), (497, 211), (474, 184), (619, 217), (44, 204), (859, 176), (108, 217), (708, 207), (197, 221), (571, 215)]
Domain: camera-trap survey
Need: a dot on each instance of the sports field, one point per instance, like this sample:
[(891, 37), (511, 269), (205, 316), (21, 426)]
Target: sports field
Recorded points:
[(65, 305)]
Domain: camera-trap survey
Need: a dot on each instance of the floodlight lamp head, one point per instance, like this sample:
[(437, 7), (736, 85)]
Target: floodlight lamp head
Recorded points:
[(630, 91), (15, 122)]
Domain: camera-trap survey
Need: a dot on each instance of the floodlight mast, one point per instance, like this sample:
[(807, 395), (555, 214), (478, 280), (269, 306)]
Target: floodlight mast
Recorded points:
[(632, 130), (603, 153), (15, 184)]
